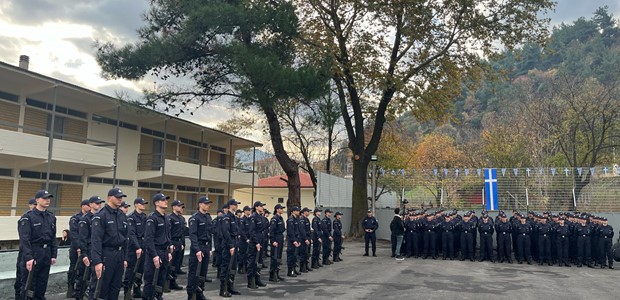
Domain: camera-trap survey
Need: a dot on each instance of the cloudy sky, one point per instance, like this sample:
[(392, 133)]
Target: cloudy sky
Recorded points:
[(58, 36)]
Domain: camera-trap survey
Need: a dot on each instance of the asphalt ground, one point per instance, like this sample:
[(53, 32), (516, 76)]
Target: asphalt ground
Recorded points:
[(359, 277)]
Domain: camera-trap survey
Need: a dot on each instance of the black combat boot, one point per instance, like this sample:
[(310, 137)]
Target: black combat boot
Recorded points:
[(308, 266), (175, 286), (224, 289), (71, 291), (272, 276), (302, 268), (259, 282), (278, 275), (251, 283), (296, 272), (231, 289), (291, 273), (315, 264), (137, 293)]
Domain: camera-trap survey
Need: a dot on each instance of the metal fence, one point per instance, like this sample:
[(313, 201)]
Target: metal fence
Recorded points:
[(557, 189)]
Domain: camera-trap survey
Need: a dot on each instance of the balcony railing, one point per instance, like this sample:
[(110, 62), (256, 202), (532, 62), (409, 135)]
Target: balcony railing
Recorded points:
[(57, 135)]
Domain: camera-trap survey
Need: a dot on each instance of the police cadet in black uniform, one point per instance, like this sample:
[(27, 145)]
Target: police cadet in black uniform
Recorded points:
[(503, 228), (157, 246), (74, 265), (306, 240), (136, 221), (294, 240), (263, 253), (229, 232), (486, 229), (108, 242), (544, 230), (468, 230), (94, 203), (583, 231), (244, 230), (200, 231), (338, 236), (217, 240), (430, 236), (317, 240), (562, 234), (255, 237), (606, 235), (276, 236), (327, 236), (524, 243), (177, 237), (448, 227), (370, 226), (37, 241), (19, 266)]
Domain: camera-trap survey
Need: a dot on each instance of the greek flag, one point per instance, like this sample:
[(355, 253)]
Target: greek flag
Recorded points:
[(490, 189)]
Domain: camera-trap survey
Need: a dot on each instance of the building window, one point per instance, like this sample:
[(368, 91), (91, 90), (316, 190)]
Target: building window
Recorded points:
[(280, 200), (222, 161), (102, 180), (194, 155), (9, 96), (6, 172), (53, 176), (59, 109), (59, 126)]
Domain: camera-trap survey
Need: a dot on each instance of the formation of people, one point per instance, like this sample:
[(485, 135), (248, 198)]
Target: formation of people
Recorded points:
[(142, 254), (562, 239)]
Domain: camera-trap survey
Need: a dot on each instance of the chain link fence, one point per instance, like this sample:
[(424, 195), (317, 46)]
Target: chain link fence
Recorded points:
[(557, 189)]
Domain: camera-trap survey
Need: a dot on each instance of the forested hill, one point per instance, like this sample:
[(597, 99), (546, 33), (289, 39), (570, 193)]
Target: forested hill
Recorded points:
[(539, 105)]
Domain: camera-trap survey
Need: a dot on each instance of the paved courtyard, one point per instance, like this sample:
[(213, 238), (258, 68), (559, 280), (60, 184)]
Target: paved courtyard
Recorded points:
[(359, 277)]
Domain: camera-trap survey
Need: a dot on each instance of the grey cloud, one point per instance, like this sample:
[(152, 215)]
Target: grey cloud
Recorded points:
[(120, 17)]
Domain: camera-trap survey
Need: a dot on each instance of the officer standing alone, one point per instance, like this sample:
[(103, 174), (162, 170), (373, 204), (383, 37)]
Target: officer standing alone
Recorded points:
[(37, 240), (370, 226)]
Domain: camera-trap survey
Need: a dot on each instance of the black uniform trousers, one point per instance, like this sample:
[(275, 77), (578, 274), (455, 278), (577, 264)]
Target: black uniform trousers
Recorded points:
[(112, 276), (604, 246), (524, 244), (132, 264), (316, 249), (370, 237), (486, 245), (276, 253), (447, 244), (291, 255), (192, 281), (149, 272), (337, 245), (504, 246), (544, 247), (429, 243), (228, 262), (327, 248), (409, 237), (42, 256), (583, 249), (243, 253), (562, 246), (467, 244), (72, 272), (252, 260), (177, 258), (19, 272)]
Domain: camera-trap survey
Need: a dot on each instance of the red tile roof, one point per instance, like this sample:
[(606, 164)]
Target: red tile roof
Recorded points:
[(276, 181)]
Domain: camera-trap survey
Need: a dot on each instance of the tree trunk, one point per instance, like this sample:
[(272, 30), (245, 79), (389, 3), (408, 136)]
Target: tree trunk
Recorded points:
[(580, 185), (290, 167), (360, 195)]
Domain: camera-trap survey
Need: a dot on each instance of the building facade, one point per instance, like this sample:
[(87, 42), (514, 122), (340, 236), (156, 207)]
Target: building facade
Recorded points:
[(88, 142)]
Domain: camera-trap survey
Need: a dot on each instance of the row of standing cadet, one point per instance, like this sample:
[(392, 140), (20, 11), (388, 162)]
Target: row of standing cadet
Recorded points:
[(564, 238), (111, 250)]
